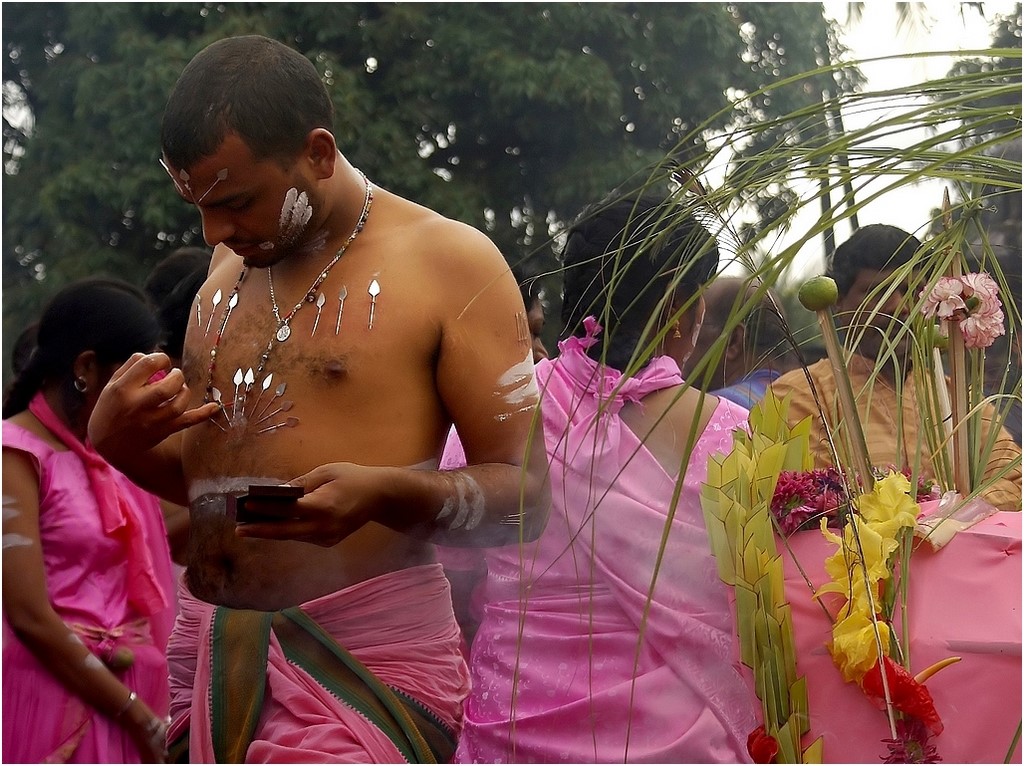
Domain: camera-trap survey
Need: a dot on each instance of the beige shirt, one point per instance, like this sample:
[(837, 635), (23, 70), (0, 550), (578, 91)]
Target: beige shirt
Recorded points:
[(892, 421)]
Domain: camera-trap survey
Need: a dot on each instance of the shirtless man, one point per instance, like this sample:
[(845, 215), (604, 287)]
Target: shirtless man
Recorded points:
[(342, 330)]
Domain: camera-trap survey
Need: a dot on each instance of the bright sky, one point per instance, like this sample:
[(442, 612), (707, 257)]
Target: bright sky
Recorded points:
[(941, 27)]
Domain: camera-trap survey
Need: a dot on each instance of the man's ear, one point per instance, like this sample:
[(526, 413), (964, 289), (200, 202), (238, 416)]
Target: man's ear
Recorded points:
[(736, 348), (322, 152)]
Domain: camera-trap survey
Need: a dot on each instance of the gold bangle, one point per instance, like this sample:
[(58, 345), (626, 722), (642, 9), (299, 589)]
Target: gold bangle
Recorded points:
[(132, 696)]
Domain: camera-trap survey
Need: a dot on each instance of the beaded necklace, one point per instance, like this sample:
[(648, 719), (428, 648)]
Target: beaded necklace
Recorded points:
[(283, 330)]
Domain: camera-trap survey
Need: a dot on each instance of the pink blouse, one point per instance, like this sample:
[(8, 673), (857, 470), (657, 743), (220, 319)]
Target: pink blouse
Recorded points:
[(611, 638)]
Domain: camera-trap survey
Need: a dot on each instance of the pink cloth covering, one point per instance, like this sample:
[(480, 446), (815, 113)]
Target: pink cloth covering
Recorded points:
[(146, 594), (964, 600), (87, 582), (563, 615), (400, 625)]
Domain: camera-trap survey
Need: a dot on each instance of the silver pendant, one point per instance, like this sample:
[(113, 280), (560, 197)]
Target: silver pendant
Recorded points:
[(374, 291), (320, 301), (216, 300), (283, 333), (341, 307)]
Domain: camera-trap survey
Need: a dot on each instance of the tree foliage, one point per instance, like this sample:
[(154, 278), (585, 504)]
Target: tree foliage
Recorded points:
[(1006, 34), (508, 116)]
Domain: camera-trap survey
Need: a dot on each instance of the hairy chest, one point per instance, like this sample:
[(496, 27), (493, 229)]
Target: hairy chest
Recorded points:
[(327, 371)]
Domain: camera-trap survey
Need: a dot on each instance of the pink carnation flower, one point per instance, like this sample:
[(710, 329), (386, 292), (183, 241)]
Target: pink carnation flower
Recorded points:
[(983, 287), (945, 299), (980, 330), (982, 322)]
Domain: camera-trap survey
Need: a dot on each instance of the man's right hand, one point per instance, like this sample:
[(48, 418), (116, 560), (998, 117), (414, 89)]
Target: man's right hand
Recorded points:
[(135, 412)]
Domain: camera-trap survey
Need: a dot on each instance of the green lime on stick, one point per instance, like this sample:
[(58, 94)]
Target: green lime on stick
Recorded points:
[(818, 293)]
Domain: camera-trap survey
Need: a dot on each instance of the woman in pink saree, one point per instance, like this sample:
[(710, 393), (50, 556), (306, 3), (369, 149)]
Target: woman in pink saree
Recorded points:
[(611, 638), (87, 599)]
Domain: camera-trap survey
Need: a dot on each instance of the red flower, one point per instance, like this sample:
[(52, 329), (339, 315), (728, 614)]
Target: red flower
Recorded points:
[(908, 696), (807, 496), (793, 488), (762, 746)]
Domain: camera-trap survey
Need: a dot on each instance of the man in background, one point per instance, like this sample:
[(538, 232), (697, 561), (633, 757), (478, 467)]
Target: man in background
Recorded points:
[(873, 309), (756, 350)]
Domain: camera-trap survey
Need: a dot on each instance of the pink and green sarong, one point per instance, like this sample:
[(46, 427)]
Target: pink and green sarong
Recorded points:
[(371, 673)]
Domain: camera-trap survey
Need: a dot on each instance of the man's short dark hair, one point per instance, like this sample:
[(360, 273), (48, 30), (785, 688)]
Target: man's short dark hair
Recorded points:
[(267, 93), (876, 247)]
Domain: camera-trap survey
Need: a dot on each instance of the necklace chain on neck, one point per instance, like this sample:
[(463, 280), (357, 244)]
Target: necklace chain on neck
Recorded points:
[(284, 329), (282, 321)]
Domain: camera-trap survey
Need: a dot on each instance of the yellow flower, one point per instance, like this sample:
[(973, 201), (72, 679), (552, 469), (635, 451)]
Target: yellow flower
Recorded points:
[(844, 566), (888, 507), (853, 591), (860, 563), (854, 649), (874, 545)]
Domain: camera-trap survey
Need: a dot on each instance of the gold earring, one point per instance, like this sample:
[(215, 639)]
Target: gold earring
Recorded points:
[(676, 333)]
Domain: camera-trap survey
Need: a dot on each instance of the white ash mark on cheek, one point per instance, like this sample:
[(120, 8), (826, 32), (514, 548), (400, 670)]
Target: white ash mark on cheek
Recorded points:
[(287, 211), (266, 245), (14, 540), (75, 639), (296, 213)]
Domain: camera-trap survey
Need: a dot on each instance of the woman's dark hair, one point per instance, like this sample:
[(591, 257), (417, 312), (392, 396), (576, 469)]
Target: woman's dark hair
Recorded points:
[(171, 271), (621, 259), (24, 347), (176, 310), (267, 93), (172, 286), (529, 287), (107, 316)]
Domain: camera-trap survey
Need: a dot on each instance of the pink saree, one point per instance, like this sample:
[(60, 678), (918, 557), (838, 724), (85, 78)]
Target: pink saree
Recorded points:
[(88, 585), (578, 659), (399, 625)]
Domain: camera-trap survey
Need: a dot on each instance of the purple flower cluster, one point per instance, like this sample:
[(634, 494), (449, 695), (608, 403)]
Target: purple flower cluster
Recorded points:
[(803, 497), (912, 744)]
